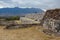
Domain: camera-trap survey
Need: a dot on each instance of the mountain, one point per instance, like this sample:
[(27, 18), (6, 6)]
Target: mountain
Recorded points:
[(19, 11)]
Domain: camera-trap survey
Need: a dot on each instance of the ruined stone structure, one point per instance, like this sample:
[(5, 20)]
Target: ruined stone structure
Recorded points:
[(51, 20), (36, 17)]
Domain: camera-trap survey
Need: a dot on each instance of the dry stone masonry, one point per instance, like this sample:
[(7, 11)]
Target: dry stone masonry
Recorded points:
[(51, 20)]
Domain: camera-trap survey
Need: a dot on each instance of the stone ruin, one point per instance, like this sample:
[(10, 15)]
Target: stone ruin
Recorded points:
[(17, 26), (51, 20)]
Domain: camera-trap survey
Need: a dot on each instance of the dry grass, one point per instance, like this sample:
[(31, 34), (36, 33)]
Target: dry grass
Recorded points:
[(32, 33)]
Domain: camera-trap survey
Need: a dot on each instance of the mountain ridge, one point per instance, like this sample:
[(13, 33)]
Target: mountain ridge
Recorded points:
[(19, 11)]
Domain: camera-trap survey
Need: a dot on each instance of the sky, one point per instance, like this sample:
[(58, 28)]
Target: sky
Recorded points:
[(43, 4)]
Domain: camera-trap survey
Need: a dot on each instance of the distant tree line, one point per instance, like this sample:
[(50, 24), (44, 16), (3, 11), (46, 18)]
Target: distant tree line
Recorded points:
[(11, 18)]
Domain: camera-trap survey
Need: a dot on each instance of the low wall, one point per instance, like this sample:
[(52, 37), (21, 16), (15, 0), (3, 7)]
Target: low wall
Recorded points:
[(20, 26)]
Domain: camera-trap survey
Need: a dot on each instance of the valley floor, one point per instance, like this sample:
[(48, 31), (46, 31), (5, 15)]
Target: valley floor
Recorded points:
[(31, 33)]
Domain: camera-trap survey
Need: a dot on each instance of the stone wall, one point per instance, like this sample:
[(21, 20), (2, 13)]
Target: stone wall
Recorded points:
[(51, 24), (36, 17), (51, 20), (54, 13), (11, 26)]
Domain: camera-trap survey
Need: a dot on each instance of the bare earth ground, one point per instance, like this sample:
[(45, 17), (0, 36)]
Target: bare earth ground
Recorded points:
[(32, 33)]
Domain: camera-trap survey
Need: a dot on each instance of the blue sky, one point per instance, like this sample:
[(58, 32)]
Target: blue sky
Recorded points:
[(43, 4)]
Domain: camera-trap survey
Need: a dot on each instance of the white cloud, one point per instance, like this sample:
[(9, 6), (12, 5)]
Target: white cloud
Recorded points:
[(43, 4)]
